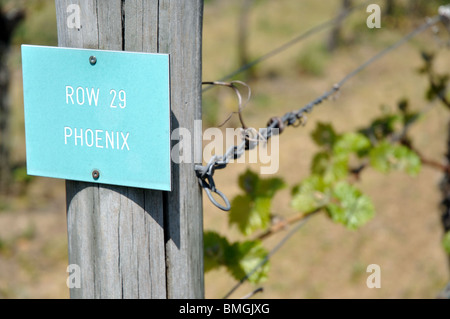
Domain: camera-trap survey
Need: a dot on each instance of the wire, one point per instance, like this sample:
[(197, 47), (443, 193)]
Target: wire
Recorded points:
[(269, 255), (287, 45), (308, 107), (277, 124), (423, 27)]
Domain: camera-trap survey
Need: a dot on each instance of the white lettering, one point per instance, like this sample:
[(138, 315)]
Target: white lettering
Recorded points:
[(73, 19), (198, 141), (247, 308), (97, 138), (80, 137), (226, 308), (119, 99), (69, 95), (74, 279), (374, 280), (181, 152), (122, 99), (86, 137), (273, 158), (92, 96), (196, 309), (80, 92), (374, 20), (235, 137), (215, 147), (78, 95), (66, 135), (109, 139), (113, 99), (124, 142)]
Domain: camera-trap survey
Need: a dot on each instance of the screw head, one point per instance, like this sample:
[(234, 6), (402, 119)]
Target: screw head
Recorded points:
[(92, 60), (95, 174)]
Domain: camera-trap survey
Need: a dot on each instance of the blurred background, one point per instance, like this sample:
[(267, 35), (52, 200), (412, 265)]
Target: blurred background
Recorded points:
[(323, 259)]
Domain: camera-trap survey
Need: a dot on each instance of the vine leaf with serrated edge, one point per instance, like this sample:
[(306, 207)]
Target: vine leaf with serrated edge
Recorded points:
[(386, 157), (239, 258), (242, 258), (349, 206), (251, 211)]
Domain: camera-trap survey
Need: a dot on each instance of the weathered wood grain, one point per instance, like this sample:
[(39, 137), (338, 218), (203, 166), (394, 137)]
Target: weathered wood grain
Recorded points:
[(180, 25), (130, 242)]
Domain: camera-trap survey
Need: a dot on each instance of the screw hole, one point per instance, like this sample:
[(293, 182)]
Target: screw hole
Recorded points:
[(95, 174)]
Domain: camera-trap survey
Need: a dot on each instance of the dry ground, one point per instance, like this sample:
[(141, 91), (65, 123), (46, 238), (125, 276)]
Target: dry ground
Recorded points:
[(322, 260)]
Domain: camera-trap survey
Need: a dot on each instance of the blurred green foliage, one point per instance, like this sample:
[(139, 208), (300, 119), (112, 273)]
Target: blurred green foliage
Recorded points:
[(313, 60), (446, 242), (250, 212)]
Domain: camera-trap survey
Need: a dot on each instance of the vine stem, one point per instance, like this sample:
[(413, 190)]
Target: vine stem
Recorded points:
[(429, 162), (284, 223)]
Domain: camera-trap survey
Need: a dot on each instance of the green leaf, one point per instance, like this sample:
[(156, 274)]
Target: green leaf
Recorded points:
[(255, 186), (239, 258), (243, 258), (331, 168), (311, 194), (383, 127), (349, 206), (269, 186), (250, 214), (351, 143), (320, 163), (386, 157), (446, 242), (324, 135), (248, 182), (411, 117), (215, 247), (240, 212), (251, 211)]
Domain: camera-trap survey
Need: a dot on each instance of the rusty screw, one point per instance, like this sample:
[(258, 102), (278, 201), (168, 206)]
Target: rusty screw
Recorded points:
[(95, 174)]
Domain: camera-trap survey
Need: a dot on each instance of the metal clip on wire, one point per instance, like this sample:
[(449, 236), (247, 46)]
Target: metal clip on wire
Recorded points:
[(207, 183)]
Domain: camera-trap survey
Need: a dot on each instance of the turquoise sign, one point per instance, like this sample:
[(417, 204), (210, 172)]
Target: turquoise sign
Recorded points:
[(97, 116)]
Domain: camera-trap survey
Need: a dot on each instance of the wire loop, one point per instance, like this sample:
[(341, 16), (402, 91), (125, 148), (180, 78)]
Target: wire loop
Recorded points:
[(210, 187)]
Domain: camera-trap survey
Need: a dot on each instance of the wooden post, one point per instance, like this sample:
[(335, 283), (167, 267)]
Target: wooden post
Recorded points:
[(129, 242)]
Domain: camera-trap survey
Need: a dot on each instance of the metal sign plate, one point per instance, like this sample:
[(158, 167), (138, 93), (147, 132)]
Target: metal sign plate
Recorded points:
[(97, 116)]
